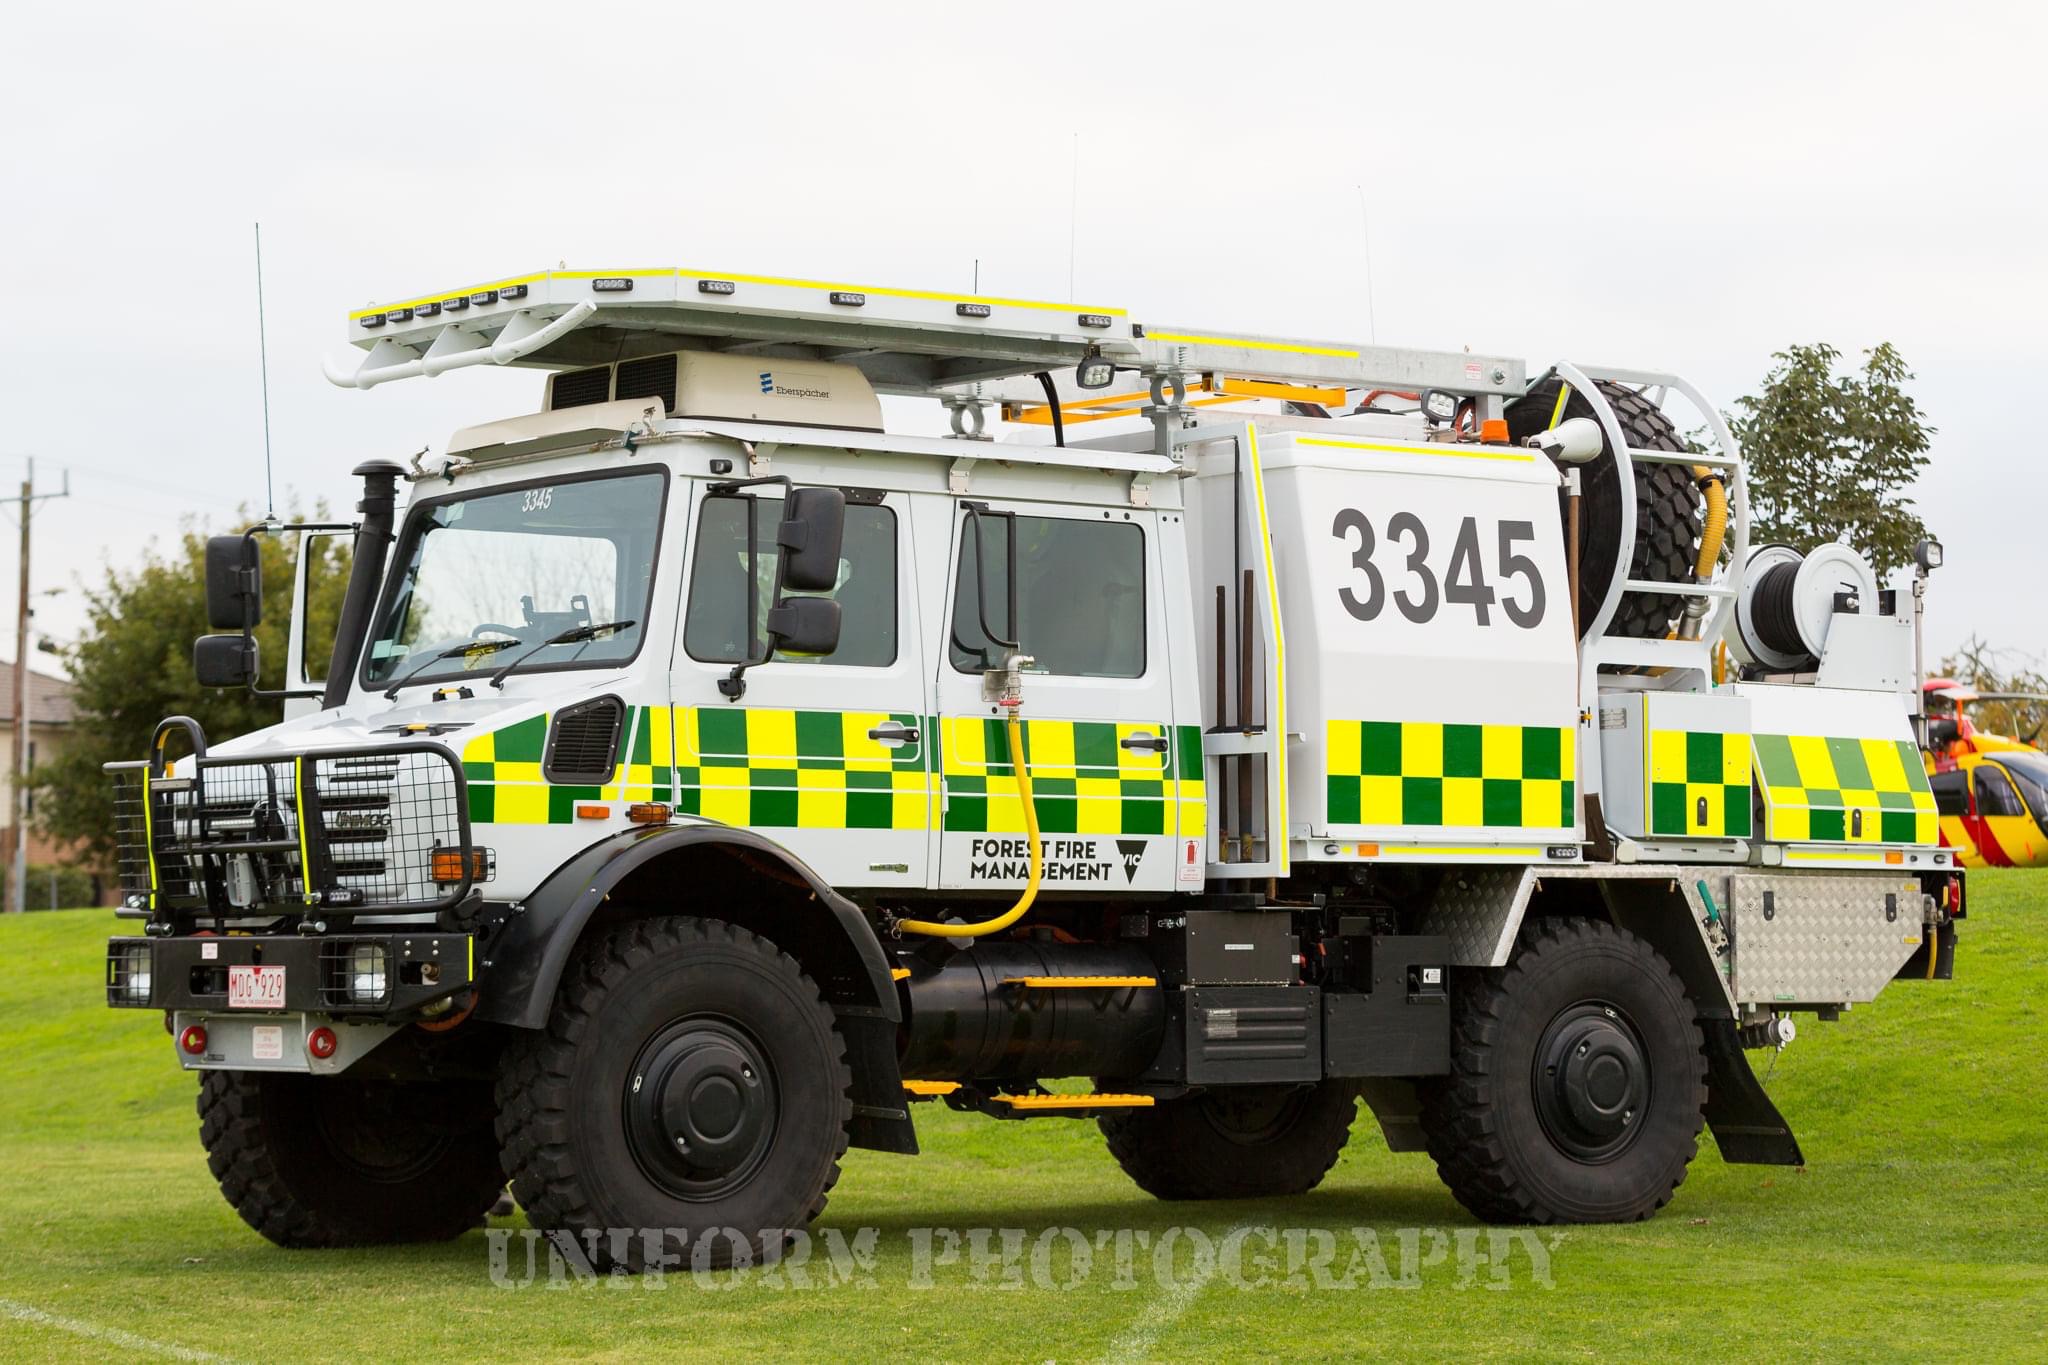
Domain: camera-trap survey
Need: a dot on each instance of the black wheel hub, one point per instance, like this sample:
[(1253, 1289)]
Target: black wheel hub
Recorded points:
[(1250, 1115), (700, 1108), (1592, 1081)]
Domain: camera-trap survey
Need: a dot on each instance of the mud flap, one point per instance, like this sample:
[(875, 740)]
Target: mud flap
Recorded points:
[(1747, 1126), (881, 1117)]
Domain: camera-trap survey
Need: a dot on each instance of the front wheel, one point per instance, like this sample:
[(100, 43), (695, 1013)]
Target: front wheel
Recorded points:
[(689, 1097), (326, 1161), (1235, 1142), (1577, 1082)]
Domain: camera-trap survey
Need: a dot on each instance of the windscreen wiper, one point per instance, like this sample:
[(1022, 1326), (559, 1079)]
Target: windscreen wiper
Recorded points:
[(461, 651), (577, 635)]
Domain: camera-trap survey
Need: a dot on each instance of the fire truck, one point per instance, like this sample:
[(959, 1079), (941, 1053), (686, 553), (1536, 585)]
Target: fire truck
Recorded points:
[(1191, 731)]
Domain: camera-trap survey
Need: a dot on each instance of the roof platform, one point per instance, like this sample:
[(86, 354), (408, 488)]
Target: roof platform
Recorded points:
[(952, 347)]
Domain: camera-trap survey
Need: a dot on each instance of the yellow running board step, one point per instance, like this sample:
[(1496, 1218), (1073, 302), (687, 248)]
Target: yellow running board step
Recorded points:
[(1041, 1103), (931, 1087), (1075, 983)]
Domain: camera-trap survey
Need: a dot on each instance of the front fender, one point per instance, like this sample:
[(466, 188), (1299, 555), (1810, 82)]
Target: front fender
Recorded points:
[(524, 964)]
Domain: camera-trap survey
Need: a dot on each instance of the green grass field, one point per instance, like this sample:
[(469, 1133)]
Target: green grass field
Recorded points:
[(1920, 1229)]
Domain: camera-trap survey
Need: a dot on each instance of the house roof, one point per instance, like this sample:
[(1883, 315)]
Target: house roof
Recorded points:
[(49, 698)]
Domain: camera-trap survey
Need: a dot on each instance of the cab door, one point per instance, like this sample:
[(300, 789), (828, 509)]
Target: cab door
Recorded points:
[(825, 755), (1097, 714)]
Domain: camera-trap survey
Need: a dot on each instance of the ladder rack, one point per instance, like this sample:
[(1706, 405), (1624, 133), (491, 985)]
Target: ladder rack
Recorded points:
[(963, 349)]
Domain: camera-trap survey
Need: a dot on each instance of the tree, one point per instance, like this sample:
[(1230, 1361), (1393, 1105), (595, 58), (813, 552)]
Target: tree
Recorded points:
[(133, 666), (1831, 454), (1987, 670)]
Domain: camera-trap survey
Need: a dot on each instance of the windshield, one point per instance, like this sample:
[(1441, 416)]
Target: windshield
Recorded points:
[(521, 564), (2030, 773)]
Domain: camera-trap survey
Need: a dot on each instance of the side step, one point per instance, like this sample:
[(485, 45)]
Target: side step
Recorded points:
[(1023, 1106), (1063, 1106), (1077, 983)]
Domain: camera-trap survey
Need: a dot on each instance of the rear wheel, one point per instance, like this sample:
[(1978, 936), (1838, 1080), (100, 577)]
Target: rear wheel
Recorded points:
[(1577, 1083), (324, 1161), (689, 1095), (1236, 1142)]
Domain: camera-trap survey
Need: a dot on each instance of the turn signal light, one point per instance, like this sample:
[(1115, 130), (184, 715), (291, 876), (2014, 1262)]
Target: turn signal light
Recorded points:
[(648, 813), (447, 865)]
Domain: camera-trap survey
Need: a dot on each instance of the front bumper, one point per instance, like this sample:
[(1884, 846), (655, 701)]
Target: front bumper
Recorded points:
[(381, 975)]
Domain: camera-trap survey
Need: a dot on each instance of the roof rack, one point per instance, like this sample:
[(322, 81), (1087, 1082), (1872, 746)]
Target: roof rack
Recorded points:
[(958, 348)]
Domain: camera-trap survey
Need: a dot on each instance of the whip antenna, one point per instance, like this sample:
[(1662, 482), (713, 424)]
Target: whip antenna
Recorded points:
[(263, 358)]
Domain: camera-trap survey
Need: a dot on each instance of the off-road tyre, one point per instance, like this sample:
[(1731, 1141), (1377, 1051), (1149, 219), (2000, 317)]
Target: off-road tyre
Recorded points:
[(329, 1161), (739, 1117), (1667, 507), (1546, 1055), (1234, 1142)]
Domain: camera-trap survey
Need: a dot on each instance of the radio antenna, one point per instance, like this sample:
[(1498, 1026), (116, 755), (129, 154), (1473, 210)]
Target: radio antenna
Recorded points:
[(263, 357)]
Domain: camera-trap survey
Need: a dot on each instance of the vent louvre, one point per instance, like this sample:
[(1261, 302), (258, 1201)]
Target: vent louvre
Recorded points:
[(652, 377), (583, 743), (581, 388)]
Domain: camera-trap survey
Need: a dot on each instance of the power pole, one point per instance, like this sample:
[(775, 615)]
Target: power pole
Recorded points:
[(17, 889)]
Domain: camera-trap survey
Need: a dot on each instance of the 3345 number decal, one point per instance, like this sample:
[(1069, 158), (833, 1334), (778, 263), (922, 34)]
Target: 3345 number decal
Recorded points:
[(1419, 595)]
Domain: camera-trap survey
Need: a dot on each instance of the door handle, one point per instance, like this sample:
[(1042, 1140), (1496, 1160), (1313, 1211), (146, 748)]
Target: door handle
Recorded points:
[(893, 732), (1145, 742)]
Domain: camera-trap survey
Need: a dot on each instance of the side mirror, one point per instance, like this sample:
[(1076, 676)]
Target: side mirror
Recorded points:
[(804, 625), (224, 660), (234, 583), (812, 533)]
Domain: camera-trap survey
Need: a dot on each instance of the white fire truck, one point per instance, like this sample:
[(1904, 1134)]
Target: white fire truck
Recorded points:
[(1231, 727)]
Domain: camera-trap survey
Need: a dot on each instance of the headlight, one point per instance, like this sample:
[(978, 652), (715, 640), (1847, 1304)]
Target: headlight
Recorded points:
[(128, 978), (366, 975)]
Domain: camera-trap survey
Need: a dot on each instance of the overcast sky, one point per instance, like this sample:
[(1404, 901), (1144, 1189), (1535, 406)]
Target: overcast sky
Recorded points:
[(1677, 187)]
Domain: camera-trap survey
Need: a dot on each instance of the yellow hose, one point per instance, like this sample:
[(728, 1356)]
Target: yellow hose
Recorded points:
[(1716, 525), (1015, 912)]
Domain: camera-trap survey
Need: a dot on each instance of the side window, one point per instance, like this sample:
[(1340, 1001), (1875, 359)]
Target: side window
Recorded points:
[(1995, 795), (1951, 793), (715, 628), (1080, 596)]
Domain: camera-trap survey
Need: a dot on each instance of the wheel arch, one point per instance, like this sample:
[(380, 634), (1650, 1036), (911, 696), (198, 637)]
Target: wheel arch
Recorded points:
[(696, 869)]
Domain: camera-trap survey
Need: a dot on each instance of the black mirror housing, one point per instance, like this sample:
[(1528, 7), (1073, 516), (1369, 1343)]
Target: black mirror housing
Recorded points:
[(234, 583), (804, 625), (812, 533), (224, 660)]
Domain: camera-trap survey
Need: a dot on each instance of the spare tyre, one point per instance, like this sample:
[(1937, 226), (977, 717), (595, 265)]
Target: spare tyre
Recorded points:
[(1667, 506)]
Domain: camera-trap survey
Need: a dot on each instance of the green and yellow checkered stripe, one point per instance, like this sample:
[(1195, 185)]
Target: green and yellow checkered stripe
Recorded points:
[(506, 786), (1083, 781), (1699, 784), (771, 768), (1819, 789), (1442, 776)]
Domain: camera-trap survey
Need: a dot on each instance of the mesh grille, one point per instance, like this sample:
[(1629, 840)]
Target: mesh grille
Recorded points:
[(224, 835), (654, 377), (581, 388), (584, 744)]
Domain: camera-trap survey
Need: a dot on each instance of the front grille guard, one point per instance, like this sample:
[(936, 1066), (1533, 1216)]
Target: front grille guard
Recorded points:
[(216, 836)]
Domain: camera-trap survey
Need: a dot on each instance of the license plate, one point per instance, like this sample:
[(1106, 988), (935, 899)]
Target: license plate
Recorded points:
[(255, 988)]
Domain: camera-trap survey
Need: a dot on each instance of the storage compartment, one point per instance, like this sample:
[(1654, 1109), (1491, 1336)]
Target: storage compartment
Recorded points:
[(1676, 766), (1402, 1025), (1254, 1035)]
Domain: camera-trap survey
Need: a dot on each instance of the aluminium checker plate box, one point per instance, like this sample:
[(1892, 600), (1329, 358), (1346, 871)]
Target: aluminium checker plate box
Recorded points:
[(1819, 939)]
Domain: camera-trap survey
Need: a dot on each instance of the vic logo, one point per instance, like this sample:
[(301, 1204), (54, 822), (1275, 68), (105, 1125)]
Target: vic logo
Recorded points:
[(767, 381), (1133, 851)]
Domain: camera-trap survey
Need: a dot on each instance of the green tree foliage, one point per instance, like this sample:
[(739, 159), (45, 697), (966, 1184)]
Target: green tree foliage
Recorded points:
[(133, 666), (1832, 452)]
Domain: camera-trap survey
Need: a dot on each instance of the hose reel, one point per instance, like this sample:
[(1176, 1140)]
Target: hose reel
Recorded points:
[(1789, 602)]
